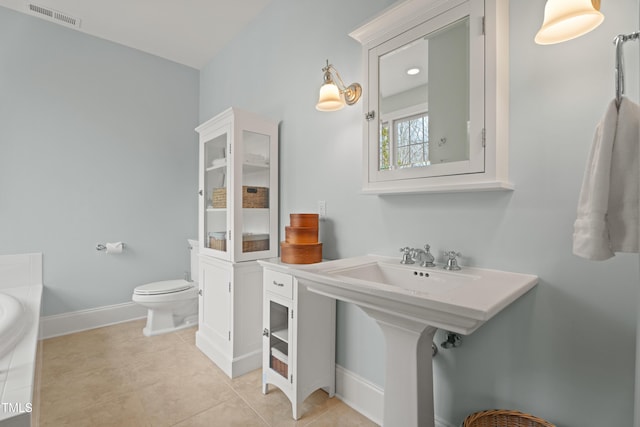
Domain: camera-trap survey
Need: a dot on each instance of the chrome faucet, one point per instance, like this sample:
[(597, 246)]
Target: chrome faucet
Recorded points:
[(452, 262), (425, 255)]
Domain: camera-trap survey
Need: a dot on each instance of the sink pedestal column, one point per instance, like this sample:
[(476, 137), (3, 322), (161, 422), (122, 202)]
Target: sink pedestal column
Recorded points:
[(408, 383)]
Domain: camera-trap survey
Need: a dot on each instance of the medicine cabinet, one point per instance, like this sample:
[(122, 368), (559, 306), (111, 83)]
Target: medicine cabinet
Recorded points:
[(436, 97)]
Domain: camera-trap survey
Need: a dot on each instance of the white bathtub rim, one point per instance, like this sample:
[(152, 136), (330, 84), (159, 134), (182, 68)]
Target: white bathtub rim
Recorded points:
[(18, 365), (13, 321)]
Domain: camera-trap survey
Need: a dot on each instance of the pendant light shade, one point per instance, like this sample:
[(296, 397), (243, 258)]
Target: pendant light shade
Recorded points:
[(567, 19)]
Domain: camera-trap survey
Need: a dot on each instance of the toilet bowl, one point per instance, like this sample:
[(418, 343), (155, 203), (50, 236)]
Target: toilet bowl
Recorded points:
[(171, 304)]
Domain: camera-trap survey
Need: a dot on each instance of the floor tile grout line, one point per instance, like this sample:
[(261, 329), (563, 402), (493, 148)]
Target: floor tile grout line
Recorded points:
[(246, 401)]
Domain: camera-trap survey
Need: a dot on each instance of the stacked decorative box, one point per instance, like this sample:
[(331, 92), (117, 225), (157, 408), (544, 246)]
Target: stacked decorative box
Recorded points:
[(301, 244)]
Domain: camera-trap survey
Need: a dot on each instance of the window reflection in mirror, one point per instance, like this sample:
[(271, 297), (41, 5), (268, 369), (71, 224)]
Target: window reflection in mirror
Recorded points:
[(424, 100)]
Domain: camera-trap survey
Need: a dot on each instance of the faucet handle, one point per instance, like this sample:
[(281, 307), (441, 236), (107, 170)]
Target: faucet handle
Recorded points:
[(452, 262), (406, 256)]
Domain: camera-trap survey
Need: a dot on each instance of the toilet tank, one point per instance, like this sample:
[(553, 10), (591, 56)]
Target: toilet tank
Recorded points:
[(195, 260)]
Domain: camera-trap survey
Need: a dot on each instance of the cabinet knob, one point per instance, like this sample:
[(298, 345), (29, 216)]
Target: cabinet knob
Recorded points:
[(200, 292), (265, 333), (201, 192), (278, 284)]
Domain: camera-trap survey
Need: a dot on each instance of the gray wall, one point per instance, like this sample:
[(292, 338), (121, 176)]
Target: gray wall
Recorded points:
[(566, 350), (96, 145)]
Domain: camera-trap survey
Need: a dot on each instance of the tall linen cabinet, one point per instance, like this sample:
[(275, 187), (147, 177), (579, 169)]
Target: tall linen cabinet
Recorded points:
[(237, 225)]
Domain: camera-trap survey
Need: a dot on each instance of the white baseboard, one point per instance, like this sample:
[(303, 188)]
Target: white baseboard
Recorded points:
[(82, 320), (360, 394), (365, 397)]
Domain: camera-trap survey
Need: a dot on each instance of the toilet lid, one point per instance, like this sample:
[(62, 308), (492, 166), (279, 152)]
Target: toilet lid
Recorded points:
[(163, 287)]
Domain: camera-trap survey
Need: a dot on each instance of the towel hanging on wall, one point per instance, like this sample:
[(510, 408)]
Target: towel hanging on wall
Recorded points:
[(608, 209)]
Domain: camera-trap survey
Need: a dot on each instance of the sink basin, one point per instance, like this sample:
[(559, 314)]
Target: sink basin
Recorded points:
[(458, 301), (410, 303), (409, 279)]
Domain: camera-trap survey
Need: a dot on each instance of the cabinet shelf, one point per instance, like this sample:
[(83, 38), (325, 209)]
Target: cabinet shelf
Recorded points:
[(215, 167), (281, 334), (251, 166), (255, 209), (266, 210)]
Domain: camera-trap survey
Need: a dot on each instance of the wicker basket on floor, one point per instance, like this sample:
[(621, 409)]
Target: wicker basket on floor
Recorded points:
[(504, 418)]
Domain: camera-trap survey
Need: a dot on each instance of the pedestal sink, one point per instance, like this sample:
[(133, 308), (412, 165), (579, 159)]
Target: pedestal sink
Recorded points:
[(410, 303)]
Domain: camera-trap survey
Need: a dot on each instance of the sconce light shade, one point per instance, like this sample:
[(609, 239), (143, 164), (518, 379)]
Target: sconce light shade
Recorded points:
[(334, 94), (567, 19), (330, 99)]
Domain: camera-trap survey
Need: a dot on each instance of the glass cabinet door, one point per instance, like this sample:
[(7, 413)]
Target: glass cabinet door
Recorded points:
[(238, 218), (278, 335), (216, 177), (255, 188)]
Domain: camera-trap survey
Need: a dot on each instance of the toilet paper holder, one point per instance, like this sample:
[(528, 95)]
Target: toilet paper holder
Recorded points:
[(103, 247)]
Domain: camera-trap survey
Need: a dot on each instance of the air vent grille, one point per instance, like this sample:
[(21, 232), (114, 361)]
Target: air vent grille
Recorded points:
[(41, 10), (53, 15)]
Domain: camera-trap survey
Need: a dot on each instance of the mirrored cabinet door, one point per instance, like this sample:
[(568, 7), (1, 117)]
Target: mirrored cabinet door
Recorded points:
[(432, 95), (422, 84)]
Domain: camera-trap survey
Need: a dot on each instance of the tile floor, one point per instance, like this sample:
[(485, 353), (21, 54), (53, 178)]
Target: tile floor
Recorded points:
[(115, 376)]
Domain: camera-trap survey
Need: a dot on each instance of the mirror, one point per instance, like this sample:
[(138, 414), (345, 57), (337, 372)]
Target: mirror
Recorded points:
[(424, 100), (437, 78)]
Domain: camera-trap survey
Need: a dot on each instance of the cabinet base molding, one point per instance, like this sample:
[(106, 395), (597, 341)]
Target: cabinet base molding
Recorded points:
[(235, 367)]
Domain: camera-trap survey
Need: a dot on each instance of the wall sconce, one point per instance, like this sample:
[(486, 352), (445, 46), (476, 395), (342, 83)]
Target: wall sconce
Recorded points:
[(567, 19), (334, 94)]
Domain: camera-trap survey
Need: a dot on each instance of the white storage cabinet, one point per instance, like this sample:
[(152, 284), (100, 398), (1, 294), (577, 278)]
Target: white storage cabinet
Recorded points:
[(237, 225), (298, 339)]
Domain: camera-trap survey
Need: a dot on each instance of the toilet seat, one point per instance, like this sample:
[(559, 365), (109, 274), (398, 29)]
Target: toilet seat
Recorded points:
[(163, 287)]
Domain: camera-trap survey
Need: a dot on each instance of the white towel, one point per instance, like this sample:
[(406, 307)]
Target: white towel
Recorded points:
[(608, 209)]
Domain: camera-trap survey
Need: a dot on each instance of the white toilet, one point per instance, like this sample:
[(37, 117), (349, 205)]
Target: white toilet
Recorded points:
[(171, 304)]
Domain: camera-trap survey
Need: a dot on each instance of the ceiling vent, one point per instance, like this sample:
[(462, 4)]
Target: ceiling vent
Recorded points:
[(53, 15)]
